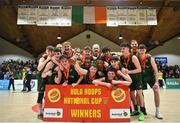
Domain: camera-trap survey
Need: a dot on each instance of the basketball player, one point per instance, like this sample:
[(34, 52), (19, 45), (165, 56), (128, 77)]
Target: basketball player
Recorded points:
[(150, 76), (41, 66), (133, 68)]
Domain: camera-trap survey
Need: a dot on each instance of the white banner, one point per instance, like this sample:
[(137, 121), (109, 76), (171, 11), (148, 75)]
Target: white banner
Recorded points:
[(112, 16), (141, 17), (43, 15), (131, 16), (54, 16), (32, 16), (22, 18), (19, 85), (122, 16), (65, 16), (151, 17)]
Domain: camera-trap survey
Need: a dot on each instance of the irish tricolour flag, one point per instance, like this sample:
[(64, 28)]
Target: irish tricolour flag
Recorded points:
[(89, 15)]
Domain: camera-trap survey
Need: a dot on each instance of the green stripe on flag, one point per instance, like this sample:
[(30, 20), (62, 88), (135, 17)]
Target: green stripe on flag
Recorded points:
[(77, 14)]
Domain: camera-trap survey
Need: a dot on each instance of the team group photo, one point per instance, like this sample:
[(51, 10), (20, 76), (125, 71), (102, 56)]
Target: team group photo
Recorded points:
[(89, 61)]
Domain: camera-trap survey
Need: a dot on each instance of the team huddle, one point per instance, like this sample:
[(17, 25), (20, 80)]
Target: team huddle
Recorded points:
[(63, 65)]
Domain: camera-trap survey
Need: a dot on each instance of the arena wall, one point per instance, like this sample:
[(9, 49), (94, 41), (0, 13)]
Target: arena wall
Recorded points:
[(10, 51), (170, 49)]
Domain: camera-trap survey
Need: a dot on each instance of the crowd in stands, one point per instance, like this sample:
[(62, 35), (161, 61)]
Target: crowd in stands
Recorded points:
[(169, 71), (19, 68)]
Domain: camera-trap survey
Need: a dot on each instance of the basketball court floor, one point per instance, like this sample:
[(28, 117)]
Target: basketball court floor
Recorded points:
[(17, 106)]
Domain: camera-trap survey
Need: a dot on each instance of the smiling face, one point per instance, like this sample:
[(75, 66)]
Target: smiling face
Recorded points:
[(96, 49), (93, 70), (142, 51), (111, 75), (114, 63), (87, 62), (67, 48), (64, 62), (57, 55), (124, 50), (134, 44), (100, 63)]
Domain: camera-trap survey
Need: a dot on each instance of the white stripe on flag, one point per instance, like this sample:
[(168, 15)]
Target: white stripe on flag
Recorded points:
[(89, 15)]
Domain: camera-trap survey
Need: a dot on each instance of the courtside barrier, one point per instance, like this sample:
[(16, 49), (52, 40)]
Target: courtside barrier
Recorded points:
[(173, 83), (4, 84)]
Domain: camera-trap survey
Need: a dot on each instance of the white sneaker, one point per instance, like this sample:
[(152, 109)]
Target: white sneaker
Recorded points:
[(158, 116)]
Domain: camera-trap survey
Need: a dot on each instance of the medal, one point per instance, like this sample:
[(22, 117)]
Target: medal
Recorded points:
[(143, 63), (127, 61)]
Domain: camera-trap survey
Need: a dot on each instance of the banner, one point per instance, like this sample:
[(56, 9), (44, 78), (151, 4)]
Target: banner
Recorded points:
[(141, 17), (173, 83), (151, 17), (4, 84), (131, 16), (54, 16), (43, 15), (163, 60), (18, 84), (86, 103), (112, 18), (122, 16), (65, 16), (23, 12), (32, 16)]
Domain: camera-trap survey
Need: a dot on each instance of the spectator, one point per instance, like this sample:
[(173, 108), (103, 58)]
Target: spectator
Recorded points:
[(11, 80), (1, 75)]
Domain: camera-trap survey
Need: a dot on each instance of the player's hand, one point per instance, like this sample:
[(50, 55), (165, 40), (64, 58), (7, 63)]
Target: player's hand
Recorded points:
[(156, 85), (75, 84), (49, 73), (126, 71), (48, 58), (65, 83), (109, 85), (44, 55), (53, 58), (119, 72), (114, 82)]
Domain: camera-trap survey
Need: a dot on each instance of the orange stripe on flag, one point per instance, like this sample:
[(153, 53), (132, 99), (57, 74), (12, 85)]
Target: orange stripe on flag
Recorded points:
[(100, 15)]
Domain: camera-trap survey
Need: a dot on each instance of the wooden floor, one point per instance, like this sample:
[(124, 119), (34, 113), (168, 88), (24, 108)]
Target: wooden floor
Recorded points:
[(17, 106)]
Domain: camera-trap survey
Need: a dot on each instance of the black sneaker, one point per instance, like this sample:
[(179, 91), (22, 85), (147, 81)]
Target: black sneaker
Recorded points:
[(40, 116), (145, 113), (134, 113)]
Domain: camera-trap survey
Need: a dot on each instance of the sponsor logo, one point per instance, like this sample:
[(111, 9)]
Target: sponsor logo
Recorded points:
[(118, 95), (172, 83), (54, 95), (53, 113), (119, 113)]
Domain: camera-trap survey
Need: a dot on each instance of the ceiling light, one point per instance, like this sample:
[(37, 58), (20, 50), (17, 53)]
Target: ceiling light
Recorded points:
[(59, 37), (179, 36), (120, 37)]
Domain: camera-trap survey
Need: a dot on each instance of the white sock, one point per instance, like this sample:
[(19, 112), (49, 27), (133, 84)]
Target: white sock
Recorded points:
[(157, 110)]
